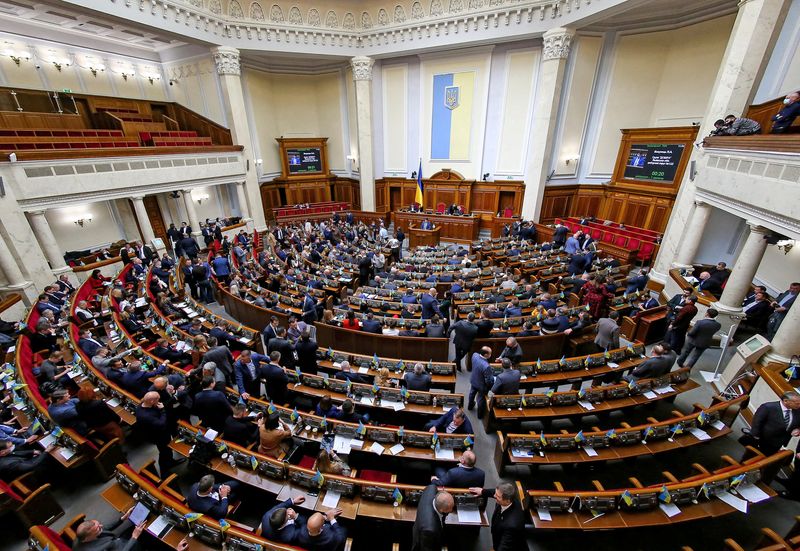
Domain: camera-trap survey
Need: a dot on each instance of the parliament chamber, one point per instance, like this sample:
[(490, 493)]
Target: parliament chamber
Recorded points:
[(426, 276)]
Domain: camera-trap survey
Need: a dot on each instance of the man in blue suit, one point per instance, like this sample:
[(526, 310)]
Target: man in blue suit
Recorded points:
[(513, 310), (371, 325), (322, 532), (463, 475), (211, 499), (248, 372), (480, 380), (430, 305), (211, 406), (136, 381), (637, 282), (282, 523), (409, 297), (453, 422), (426, 225), (572, 245)]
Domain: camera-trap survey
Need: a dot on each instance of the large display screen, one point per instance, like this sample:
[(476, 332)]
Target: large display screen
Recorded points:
[(653, 162), (304, 160)]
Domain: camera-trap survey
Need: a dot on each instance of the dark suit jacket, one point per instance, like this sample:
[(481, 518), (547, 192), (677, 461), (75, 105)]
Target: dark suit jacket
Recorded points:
[(418, 382), (442, 422), (507, 382), (288, 534), (138, 383), (285, 348), (461, 477), (151, 423), (426, 534), (276, 381), (215, 508), (20, 462), (307, 355), (769, 427), (508, 527), (332, 538), (481, 377), (684, 317), (371, 326), (430, 306), (652, 367), (244, 379), (703, 331), (240, 430), (212, 408)]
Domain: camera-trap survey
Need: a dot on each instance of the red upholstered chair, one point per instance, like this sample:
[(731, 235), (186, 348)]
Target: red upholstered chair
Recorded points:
[(508, 213), (646, 253), (307, 462), (595, 233), (31, 502), (621, 240), (634, 243), (607, 237), (376, 476), (440, 208)]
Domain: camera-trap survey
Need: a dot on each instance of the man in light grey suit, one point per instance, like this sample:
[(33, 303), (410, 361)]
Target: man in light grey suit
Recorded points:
[(699, 338), (607, 332)]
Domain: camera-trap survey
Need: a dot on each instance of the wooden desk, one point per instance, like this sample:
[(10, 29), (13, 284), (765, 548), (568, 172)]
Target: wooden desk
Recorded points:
[(460, 229), (423, 238), (498, 222)]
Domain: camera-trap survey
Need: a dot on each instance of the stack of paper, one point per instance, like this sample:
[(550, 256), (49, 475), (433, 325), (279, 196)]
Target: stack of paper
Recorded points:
[(376, 448), (396, 449)]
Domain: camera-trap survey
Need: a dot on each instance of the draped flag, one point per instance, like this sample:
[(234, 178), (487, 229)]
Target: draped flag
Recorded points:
[(419, 195)]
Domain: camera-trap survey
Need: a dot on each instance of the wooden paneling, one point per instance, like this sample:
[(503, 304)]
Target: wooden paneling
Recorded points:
[(156, 219), (10, 119), (763, 113)]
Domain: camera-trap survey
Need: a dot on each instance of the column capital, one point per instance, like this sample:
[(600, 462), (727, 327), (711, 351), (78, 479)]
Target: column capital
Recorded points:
[(227, 60), (700, 203), (137, 197), (362, 67), (557, 43), (39, 212), (755, 227)]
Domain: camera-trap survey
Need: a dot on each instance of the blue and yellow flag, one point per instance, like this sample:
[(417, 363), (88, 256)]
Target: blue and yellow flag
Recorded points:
[(35, 426), (562, 361), (375, 388), (550, 393), (627, 498), (791, 372), (582, 394), (676, 430), (736, 480), (191, 516), (630, 350), (318, 479), (703, 490), (538, 364), (325, 381), (57, 431), (586, 361), (253, 462), (663, 495), (324, 423), (434, 439), (542, 439), (468, 441), (611, 434), (224, 525), (606, 354), (375, 360), (403, 392), (397, 496), (348, 385), (419, 195), (221, 447), (299, 373), (294, 416), (702, 418), (401, 366), (361, 430), (523, 401), (271, 408), (631, 384), (648, 431), (241, 400), (329, 353), (580, 438), (401, 432)]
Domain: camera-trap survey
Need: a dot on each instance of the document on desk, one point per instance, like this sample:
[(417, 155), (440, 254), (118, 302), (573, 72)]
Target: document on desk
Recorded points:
[(113, 402), (586, 405), (544, 515), (331, 499), (46, 440), (397, 448), (445, 453), (244, 340), (356, 443), (736, 502), (363, 370), (719, 425), (211, 434), (590, 451), (670, 509), (752, 493), (469, 516), (160, 527), (341, 444), (377, 448), (397, 406), (366, 400), (664, 390), (700, 434), (139, 514), (66, 453), (650, 395), (517, 452)]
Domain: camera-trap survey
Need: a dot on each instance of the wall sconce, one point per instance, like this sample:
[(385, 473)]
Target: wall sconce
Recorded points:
[(569, 160), (59, 65), (200, 197), (94, 70), (126, 75), (259, 162), (153, 78), (486, 176), (84, 219), (785, 245), (16, 56)]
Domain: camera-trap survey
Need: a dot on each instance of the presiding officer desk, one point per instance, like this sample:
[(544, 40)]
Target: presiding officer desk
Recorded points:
[(460, 229)]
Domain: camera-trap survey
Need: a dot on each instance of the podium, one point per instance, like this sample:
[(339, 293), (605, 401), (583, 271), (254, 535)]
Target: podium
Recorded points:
[(423, 238)]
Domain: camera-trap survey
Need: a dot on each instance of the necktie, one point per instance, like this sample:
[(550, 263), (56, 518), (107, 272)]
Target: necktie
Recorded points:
[(444, 518), (787, 417)]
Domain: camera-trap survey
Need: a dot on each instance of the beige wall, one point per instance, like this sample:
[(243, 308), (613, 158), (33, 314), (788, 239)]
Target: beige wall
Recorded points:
[(660, 79), (100, 231), (395, 118), (195, 85), (521, 69), (587, 53), (778, 270), (302, 106)]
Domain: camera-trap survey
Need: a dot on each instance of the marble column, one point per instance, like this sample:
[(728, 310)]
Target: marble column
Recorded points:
[(362, 78), (545, 111), (144, 220), (744, 270), (10, 268), (191, 212), (745, 58), (241, 195), (693, 235), (229, 71), (47, 241), (786, 342)]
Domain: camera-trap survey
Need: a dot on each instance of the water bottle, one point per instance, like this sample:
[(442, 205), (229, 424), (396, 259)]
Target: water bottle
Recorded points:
[(434, 401)]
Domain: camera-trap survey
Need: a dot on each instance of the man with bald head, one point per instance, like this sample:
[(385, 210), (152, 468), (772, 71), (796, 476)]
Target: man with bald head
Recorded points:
[(463, 475), (151, 422), (432, 510), (322, 532)]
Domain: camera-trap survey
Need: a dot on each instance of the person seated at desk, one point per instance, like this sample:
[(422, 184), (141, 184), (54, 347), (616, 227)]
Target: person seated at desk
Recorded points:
[(426, 225), (707, 283), (512, 351), (463, 475), (528, 330), (637, 282), (390, 327), (136, 381), (435, 328), (371, 325), (350, 322), (53, 370), (240, 428), (282, 523), (782, 121), (410, 312), (409, 297), (453, 422), (513, 309), (659, 363), (418, 379), (322, 532), (274, 435), (347, 373), (91, 535), (349, 415), (330, 463), (326, 408), (507, 381), (168, 353), (647, 303), (207, 498)]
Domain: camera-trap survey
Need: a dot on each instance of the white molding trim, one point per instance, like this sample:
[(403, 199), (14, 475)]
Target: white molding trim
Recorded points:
[(763, 217)]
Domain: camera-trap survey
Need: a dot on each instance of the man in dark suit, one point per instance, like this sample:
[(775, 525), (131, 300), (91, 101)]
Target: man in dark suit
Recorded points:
[(507, 381), (699, 338), (151, 423), (275, 379), (430, 306), (15, 463), (211, 499), (780, 307), (463, 475), (658, 364), (560, 235), (211, 406), (346, 373), (647, 303), (676, 331), (432, 510), (248, 371), (282, 523), (239, 428), (271, 330), (774, 423), (371, 325), (480, 380), (508, 521), (453, 422), (708, 283), (136, 381), (221, 356), (484, 325), (91, 535), (88, 343), (757, 311), (417, 379), (322, 532), (284, 346), (677, 301), (512, 351), (637, 282), (306, 349)]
